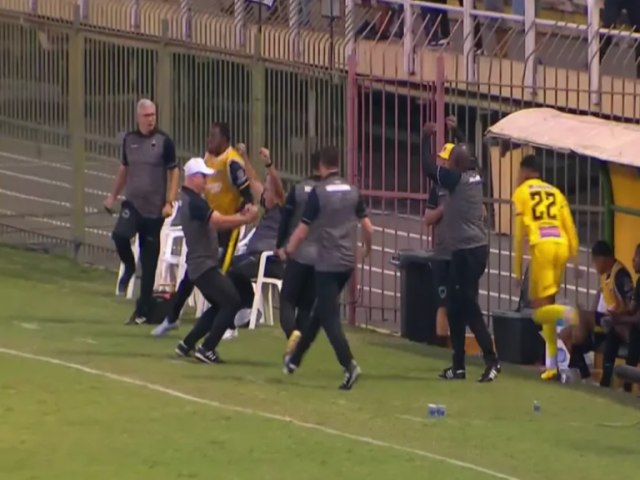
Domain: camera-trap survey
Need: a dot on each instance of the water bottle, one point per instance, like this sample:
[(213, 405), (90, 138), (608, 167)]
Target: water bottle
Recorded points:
[(432, 410), (569, 375), (536, 407), (442, 411)]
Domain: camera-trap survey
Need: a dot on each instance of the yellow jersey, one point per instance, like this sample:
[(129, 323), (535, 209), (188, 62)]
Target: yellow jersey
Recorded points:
[(542, 213), (221, 193)]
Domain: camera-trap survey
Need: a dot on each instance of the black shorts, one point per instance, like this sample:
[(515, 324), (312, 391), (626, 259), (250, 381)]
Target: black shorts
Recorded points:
[(440, 271)]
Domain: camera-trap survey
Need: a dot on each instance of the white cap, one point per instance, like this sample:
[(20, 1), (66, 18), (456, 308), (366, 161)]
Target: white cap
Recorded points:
[(196, 165)]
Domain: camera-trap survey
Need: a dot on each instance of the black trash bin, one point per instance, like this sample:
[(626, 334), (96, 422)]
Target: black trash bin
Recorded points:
[(517, 337), (418, 295)]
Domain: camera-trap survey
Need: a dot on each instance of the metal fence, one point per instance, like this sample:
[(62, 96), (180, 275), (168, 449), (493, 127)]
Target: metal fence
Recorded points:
[(294, 79)]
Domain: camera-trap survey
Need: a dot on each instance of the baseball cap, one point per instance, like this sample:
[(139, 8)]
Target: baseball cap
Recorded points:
[(197, 165), (446, 151)]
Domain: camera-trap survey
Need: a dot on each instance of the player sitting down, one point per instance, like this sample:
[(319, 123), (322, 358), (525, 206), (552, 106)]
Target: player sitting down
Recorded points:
[(542, 213)]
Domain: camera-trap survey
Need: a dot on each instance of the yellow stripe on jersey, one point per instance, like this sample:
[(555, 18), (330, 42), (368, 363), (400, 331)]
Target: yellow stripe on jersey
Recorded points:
[(610, 295), (221, 194)]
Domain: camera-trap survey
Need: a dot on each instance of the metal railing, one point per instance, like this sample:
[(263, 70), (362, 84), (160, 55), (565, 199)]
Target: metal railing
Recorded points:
[(71, 72)]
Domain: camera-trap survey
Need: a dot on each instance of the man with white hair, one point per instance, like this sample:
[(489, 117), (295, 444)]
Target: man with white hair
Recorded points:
[(200, 225), (149, 177)]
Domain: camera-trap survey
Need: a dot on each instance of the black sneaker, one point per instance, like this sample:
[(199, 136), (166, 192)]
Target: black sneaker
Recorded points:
[(136, 319), (182, 350), (490, 373), (351, 376), (123, 283), (450, 374), (207, 356)]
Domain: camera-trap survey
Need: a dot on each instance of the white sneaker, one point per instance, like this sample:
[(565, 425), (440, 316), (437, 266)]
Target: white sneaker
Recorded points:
[(230, 334), (164, 328), (243, 317)]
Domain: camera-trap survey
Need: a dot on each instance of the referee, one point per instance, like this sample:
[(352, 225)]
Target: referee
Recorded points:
[(298, 293), (149, 176), (333, 209), (200, 225), (467, 240)]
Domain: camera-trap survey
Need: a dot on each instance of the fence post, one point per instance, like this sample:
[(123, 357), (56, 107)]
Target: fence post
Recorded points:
[(352, 153), (593, 36), (76, 76), (468, 41), (350, 26), (33, 6), (84, 9), (530, 56), (164, 78), (258, 86)]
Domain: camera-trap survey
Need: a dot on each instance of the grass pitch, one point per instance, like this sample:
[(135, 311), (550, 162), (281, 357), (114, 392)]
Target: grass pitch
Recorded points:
[(82, 395)]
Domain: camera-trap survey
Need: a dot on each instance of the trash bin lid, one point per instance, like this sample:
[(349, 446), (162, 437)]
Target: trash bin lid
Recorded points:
[(407, 256)]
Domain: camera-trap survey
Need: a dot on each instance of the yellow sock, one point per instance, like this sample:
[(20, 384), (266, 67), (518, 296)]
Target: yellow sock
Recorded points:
[(549, 314)]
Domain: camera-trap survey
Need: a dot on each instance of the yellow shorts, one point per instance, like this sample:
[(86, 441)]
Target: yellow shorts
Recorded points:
[(548, 261)]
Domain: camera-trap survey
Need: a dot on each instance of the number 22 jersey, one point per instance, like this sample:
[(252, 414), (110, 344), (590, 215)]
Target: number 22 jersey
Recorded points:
[(545, 214)]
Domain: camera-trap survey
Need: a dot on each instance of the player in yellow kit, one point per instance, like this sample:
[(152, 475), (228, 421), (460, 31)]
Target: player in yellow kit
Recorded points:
[(542, 214)]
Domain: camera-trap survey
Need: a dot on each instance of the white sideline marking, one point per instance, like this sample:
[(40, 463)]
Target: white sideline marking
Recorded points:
[(87, 340), (257, 413), (28, 326), (415, 419)]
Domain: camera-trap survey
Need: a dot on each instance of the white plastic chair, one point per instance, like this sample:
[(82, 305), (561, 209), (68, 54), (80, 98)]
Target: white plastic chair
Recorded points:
[(170, 261), (260, 282)]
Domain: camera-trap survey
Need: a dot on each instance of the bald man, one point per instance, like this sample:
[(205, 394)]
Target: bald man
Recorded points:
[(467, 240)]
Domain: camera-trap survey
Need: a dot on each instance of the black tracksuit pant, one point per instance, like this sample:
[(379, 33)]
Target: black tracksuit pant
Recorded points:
[(326, 315), (130, 223), (186, 286), (224, 299), (465, 270), (612, 343), (297, 296)]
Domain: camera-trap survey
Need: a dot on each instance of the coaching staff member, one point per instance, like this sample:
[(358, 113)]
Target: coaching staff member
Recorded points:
[(200, 225), (333, 209), (227, 191), (298, 292), (467, 241), (149, 176)]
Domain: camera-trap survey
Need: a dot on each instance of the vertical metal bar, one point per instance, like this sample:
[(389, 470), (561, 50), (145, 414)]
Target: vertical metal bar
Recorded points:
[(186, 11), (468, 44), (531, 62), (409, 57), (76, 77), (593, 37), (440, 101), (294, 27), (164, 80), (239, 21)]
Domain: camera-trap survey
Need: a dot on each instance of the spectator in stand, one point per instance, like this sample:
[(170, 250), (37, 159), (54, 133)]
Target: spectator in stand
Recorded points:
[(610, 18), (437, 18)]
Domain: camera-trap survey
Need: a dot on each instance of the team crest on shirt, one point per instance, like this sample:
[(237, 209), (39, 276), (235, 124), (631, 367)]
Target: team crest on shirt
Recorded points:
[(125, 213)]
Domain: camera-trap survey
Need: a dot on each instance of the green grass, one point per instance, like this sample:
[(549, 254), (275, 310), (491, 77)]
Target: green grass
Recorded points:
[(61, 423)]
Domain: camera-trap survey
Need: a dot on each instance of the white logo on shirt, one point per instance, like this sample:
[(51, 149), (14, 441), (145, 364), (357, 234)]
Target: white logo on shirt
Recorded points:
[(338, 187)]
